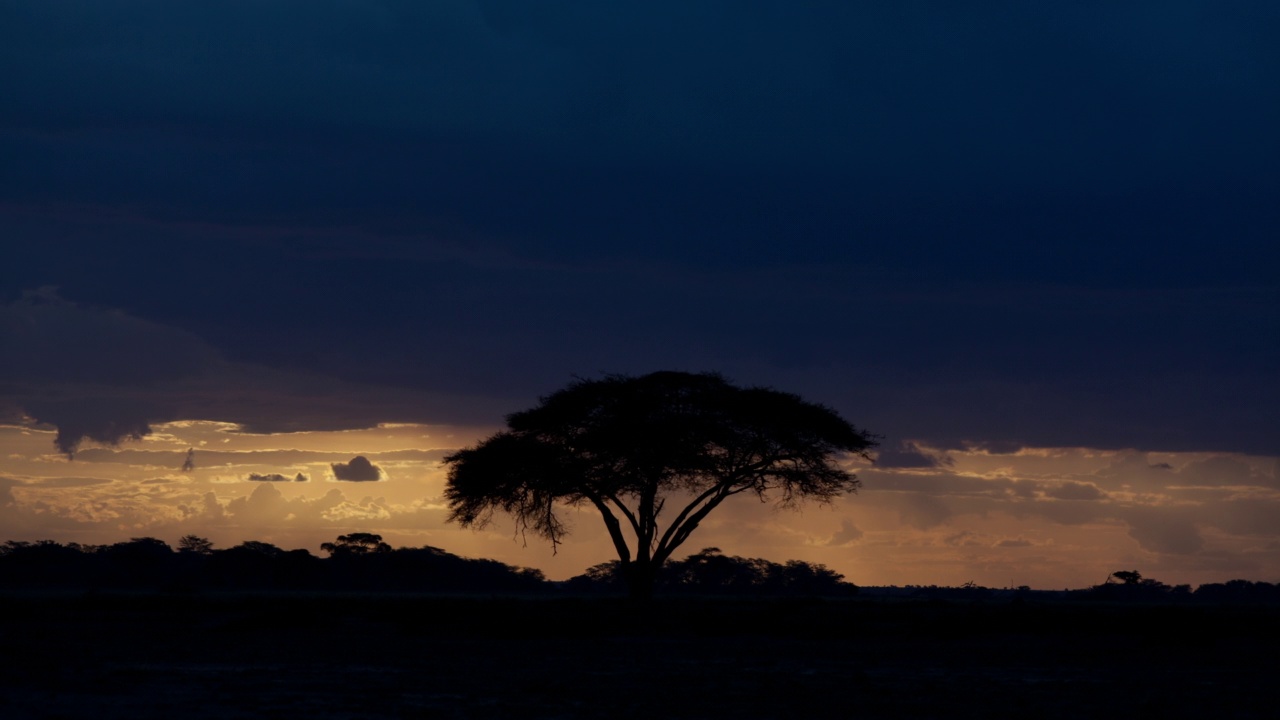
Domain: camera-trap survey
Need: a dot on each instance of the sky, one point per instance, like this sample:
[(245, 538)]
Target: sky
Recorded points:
[(1031, 245)]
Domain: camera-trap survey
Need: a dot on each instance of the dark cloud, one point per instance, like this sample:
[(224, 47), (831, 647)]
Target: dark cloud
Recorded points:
[(975, 227), (106, 376), (104, 421), (275, 477), (1014, 543), (189, 462), (269, 477), (359, 469), (909, 455), (91, 372)]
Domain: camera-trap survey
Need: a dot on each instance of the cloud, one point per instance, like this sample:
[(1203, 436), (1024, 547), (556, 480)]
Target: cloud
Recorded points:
[(942, 483), (1071, 490), (264, 506), (73, 367), (189, 462), (71, 482), (1014, 543), (358, 470), (1221, 470), (210, 507), (270, 477), (922, 511), (215, 458), (964, 538), (848, 534), (1245, 516), (106, 376), (8, 503), (1163, 530), (909, 455)]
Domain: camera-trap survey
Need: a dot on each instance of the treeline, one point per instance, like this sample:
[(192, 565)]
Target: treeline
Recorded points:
[(151, 564), (362, 562), (1129, 585), (1124, 586)]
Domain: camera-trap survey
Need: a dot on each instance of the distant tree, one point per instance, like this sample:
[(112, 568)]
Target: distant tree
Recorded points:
[(356, 544), (628, 445), (195, 545), (140, 549), (256, 547), (1126, 577)]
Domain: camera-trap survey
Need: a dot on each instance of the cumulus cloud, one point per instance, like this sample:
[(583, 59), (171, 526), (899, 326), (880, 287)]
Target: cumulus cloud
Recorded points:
[(848, 534), (359, 469), (265, 505)]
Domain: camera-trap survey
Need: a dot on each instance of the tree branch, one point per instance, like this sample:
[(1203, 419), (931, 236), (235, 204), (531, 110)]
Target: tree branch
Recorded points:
[(615, 529)]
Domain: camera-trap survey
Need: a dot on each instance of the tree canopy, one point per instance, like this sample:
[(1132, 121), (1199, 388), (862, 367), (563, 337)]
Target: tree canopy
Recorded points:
[(628, 445)]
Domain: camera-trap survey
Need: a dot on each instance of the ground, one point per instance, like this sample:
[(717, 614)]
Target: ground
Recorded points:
[(353, 656)]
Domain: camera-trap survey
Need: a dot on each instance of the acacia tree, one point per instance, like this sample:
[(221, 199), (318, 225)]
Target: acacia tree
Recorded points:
[(359, 543), (628, 445)]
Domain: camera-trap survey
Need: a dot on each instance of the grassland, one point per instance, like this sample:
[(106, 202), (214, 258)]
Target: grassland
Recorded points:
[(75, 655)]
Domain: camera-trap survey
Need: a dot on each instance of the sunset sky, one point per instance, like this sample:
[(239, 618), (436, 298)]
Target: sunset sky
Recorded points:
[(1031, 245)]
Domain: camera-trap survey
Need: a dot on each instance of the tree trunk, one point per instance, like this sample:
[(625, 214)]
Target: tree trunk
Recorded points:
[(641, 577)]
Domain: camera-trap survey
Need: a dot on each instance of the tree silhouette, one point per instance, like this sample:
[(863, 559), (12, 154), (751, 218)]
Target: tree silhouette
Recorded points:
[(1127, 577), (195, 544), (356, 544), (627, 445), (709, 572)]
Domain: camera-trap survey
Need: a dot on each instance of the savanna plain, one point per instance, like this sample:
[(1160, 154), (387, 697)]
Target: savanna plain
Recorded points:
[(342, 655)]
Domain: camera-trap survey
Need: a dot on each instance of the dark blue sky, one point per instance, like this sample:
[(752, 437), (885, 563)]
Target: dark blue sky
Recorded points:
[(994, 223)]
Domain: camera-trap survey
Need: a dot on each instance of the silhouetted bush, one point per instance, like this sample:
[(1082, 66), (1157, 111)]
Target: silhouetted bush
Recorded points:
[(709, 572), (1132, 587), (1239, 591)]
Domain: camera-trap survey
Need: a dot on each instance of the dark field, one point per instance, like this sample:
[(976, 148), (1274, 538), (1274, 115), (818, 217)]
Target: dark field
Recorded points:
[(333, 656)]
